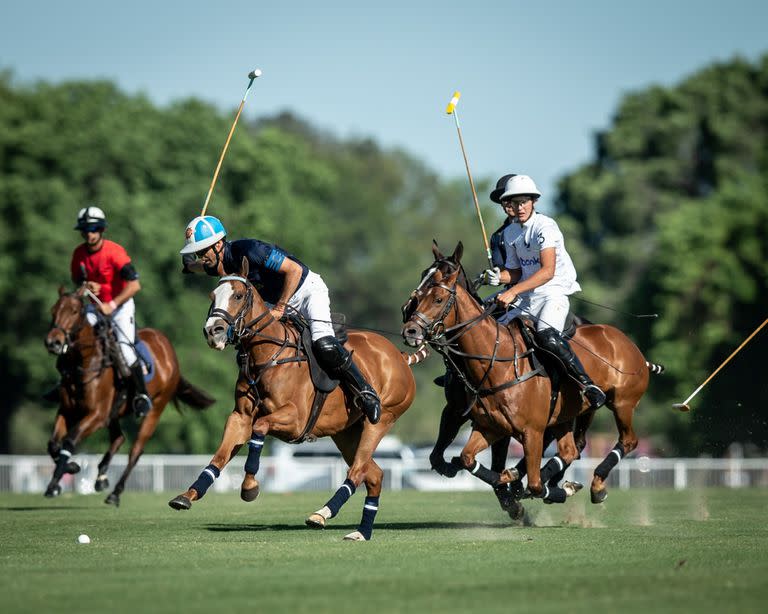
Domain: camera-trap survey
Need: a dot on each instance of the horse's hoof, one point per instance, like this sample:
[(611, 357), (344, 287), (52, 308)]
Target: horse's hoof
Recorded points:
[(180, 503), (113, 499), (599, 496), (53, 491), (315, 521), (250, 494), (72, 467), (516, 511), (355, 536), (101, 483), (571, 488)]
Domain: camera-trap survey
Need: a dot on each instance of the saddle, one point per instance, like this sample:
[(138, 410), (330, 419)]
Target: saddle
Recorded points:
[(324, 384)]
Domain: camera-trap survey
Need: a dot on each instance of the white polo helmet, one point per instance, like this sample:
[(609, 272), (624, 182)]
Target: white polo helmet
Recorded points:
[(520, 185), (91, 218), (203, 232)]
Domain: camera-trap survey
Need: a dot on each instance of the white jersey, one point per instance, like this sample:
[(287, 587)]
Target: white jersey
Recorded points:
[(538, 233)]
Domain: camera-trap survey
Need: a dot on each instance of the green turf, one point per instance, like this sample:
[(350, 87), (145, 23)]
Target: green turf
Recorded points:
[(641, 551)]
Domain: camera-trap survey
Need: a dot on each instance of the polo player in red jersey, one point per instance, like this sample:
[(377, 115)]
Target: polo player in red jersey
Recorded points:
[(107, 271)]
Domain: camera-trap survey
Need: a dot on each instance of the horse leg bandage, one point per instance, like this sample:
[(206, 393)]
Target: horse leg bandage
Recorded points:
[(554, 470), (370, 507), (610, 461), (485, 474), (346, 490), (204, 480), (255, 445)]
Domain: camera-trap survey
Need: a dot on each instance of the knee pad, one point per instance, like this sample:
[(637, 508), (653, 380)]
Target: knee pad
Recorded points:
[(549, 339), (330, 352)]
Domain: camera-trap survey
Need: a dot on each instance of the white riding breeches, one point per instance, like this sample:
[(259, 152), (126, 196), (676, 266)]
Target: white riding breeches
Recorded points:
[(124, 325), (545, 311), (311, 301)]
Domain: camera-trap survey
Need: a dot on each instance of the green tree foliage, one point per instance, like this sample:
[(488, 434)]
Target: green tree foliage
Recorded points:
[(672, 217), (360, 216)]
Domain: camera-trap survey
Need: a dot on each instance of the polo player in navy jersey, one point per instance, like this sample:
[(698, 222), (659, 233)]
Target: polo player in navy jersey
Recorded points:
[(282, 281)]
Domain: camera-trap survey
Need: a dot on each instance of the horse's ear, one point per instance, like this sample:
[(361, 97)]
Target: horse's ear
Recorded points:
[(458, 252), (62, 290), (436, 251), (244, 268)]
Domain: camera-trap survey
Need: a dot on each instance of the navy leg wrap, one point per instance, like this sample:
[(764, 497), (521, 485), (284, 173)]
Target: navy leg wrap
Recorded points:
[(485, 474), (554, 494), (370, 508), (522, 468), (204, 480), (553, 471), (255, 445), (346, 490), (610, 461)]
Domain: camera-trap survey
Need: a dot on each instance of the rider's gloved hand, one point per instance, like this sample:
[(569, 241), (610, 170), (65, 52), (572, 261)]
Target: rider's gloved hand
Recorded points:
[(492, 277), (186, 260)]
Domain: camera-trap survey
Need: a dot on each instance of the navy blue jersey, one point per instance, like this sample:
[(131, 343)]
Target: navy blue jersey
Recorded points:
[(264, 260)]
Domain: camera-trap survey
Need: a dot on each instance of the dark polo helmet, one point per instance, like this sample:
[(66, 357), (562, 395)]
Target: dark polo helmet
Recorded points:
[(501, 185)]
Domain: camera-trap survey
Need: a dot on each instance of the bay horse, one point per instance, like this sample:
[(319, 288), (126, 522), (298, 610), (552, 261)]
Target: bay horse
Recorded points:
[(275, 395), (92, 397), (509, 396)]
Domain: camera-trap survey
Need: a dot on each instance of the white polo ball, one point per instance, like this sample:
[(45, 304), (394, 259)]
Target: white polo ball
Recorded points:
[(83, 539)]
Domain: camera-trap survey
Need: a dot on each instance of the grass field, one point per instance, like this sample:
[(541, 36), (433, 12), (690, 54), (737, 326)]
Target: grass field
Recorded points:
[(641, 551)]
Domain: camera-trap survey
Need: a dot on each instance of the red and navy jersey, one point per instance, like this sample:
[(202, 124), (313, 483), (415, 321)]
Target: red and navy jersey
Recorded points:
[(104, 267), (264, 260)]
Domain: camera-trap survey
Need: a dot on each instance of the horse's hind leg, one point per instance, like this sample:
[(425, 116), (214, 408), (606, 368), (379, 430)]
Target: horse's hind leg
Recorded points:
[(116, 439), (626, 444), (146, 430)]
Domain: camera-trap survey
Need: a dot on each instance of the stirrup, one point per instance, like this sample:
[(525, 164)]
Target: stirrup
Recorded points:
[(142, 404), (369, 403), (594, 395)]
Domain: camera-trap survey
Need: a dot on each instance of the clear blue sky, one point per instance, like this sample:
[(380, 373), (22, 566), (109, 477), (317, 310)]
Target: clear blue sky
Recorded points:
[(537, 79)]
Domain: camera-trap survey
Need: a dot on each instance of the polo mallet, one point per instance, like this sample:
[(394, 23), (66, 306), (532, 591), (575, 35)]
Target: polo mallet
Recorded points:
[(451, 110), (253, 75), (684, 405)]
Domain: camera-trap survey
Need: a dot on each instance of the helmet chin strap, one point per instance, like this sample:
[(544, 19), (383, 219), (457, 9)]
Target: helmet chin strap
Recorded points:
[(214, 270)]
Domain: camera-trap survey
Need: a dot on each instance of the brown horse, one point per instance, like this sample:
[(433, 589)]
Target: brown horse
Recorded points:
[(92, 397), (275, 395), (509, 397)]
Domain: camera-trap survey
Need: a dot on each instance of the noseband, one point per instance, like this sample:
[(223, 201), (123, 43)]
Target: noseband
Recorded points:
[(70, 335), (237, 325)]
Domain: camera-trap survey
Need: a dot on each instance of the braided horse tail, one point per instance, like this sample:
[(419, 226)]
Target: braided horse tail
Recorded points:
[(418, 356)]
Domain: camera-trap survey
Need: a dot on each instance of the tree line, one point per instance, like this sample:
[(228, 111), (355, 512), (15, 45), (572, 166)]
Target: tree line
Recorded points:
[(670, 216)]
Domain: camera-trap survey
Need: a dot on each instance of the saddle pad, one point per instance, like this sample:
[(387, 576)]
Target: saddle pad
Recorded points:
[(146, 357)]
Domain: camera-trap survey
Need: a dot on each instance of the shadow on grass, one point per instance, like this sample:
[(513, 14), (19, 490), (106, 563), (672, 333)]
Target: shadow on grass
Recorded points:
[(44, 508), (385, 526)]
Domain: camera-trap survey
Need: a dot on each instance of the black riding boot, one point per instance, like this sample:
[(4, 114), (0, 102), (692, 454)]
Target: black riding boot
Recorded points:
[(551, 340), (141, 401), (338, 362)]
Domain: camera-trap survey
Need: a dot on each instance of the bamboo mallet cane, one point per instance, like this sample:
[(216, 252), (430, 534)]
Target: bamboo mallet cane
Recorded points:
[(684, 405), (451, 110)]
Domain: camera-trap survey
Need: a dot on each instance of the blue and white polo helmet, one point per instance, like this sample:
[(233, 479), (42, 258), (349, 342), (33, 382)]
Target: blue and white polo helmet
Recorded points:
[(203, 232)]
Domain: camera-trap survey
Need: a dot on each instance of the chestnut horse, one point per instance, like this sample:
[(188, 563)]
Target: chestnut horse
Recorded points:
[(509, 396), (274, 395), (92, 397)]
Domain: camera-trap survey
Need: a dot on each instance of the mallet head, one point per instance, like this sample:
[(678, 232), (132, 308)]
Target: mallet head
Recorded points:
[(682, 407), (256, 72)]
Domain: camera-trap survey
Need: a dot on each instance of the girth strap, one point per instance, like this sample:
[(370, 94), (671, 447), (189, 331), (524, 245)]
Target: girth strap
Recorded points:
[(314, 414)]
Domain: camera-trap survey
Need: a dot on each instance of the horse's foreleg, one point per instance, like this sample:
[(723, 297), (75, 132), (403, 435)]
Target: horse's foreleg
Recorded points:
[(626, 444), (478, 442), (281, 420), (533, 447), (554, 470), (451, 421), (116, 439), (148, 426), (64, 462), (236, 432)]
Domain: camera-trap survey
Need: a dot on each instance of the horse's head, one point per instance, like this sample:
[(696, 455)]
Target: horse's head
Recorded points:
[(68, 317), (232, 302), (433, 299)]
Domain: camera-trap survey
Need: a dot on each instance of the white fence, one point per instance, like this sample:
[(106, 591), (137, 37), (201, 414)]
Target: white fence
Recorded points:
[(174, 473)]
